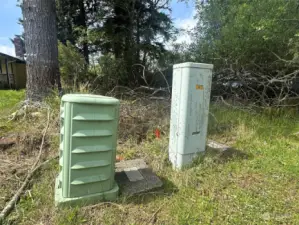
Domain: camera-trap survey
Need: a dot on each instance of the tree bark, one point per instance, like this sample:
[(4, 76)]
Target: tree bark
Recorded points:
[(137, 40), (84, 25), (41, 48)]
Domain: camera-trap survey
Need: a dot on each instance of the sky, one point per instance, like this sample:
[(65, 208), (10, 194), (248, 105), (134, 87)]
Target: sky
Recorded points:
[(182, 15)]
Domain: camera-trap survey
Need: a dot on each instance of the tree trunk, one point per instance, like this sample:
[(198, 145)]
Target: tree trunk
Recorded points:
[(137, 40), (41, 48), (84, 25)]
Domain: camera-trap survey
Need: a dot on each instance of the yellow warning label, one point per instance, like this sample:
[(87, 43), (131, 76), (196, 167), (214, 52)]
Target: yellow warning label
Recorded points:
[(199, 87)]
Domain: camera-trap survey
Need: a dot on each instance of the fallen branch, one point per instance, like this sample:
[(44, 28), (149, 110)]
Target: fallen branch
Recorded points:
[(168, 87), (243, 108), (11, 204)]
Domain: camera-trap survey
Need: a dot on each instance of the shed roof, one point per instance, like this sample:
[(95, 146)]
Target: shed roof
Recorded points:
[(18, 60)]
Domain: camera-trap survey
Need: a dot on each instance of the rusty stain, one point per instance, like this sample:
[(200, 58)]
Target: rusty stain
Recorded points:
[(199, 87)]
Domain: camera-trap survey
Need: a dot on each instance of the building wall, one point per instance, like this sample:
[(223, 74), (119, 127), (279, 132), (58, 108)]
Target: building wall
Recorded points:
[(3, 76), (19, 74), (3, 81), (3, 67)]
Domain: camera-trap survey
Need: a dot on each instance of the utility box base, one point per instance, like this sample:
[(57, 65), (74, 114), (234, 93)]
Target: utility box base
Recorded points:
[(110, 195), (179, 161)]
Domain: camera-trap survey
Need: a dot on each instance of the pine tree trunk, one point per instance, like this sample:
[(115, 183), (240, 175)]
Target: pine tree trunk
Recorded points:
[(84, 25), (137, 40), (41, 48)]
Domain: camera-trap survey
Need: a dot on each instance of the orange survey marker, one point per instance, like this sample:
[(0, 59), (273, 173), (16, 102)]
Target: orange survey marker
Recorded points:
[(157, 133), (119, 158)]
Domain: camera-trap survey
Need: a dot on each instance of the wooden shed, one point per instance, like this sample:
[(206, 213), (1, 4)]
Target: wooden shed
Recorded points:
[(12, 72)]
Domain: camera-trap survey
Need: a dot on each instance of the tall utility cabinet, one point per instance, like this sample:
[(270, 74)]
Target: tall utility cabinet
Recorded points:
[(191, 87)]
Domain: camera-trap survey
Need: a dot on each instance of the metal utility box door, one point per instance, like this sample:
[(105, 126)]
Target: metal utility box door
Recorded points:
[(191, 89), (87, 144)]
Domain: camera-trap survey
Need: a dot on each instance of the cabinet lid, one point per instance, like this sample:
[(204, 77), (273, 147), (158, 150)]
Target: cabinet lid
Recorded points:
[(90, 99), (193, 65)]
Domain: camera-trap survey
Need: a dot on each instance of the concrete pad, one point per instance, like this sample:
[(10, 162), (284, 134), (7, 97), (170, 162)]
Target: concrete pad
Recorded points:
[(134, 176)]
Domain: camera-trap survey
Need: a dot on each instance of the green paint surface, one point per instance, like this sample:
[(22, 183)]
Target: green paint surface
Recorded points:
[(88, 138)]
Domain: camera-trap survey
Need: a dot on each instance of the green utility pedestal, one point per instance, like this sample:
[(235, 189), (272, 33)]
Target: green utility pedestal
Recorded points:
[(88, 139)]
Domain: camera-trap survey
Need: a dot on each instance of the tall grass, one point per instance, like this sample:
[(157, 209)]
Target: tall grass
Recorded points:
[(255, 182)]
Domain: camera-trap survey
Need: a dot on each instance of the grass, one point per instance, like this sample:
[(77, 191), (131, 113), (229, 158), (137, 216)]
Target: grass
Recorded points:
[(8, 99), (256, 182)]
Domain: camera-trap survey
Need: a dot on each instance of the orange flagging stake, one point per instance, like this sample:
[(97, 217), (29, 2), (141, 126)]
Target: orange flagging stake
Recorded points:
[(157, 133)]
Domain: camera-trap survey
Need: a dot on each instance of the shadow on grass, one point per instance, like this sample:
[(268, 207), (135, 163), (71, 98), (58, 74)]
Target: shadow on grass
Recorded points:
[(230, 154), (221, 156)]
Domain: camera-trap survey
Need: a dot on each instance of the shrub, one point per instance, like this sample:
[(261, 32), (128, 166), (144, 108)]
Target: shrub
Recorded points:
[(73, 67)]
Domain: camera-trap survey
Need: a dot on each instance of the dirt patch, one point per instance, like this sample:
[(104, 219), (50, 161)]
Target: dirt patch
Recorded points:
[(17, 155), (13, 169), (7, 142)]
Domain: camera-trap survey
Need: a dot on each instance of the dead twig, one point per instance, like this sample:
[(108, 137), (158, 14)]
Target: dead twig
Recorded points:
[(243, 108), (103, 204), (12, 203), (168, 86), (143, 73), (155, 213)]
